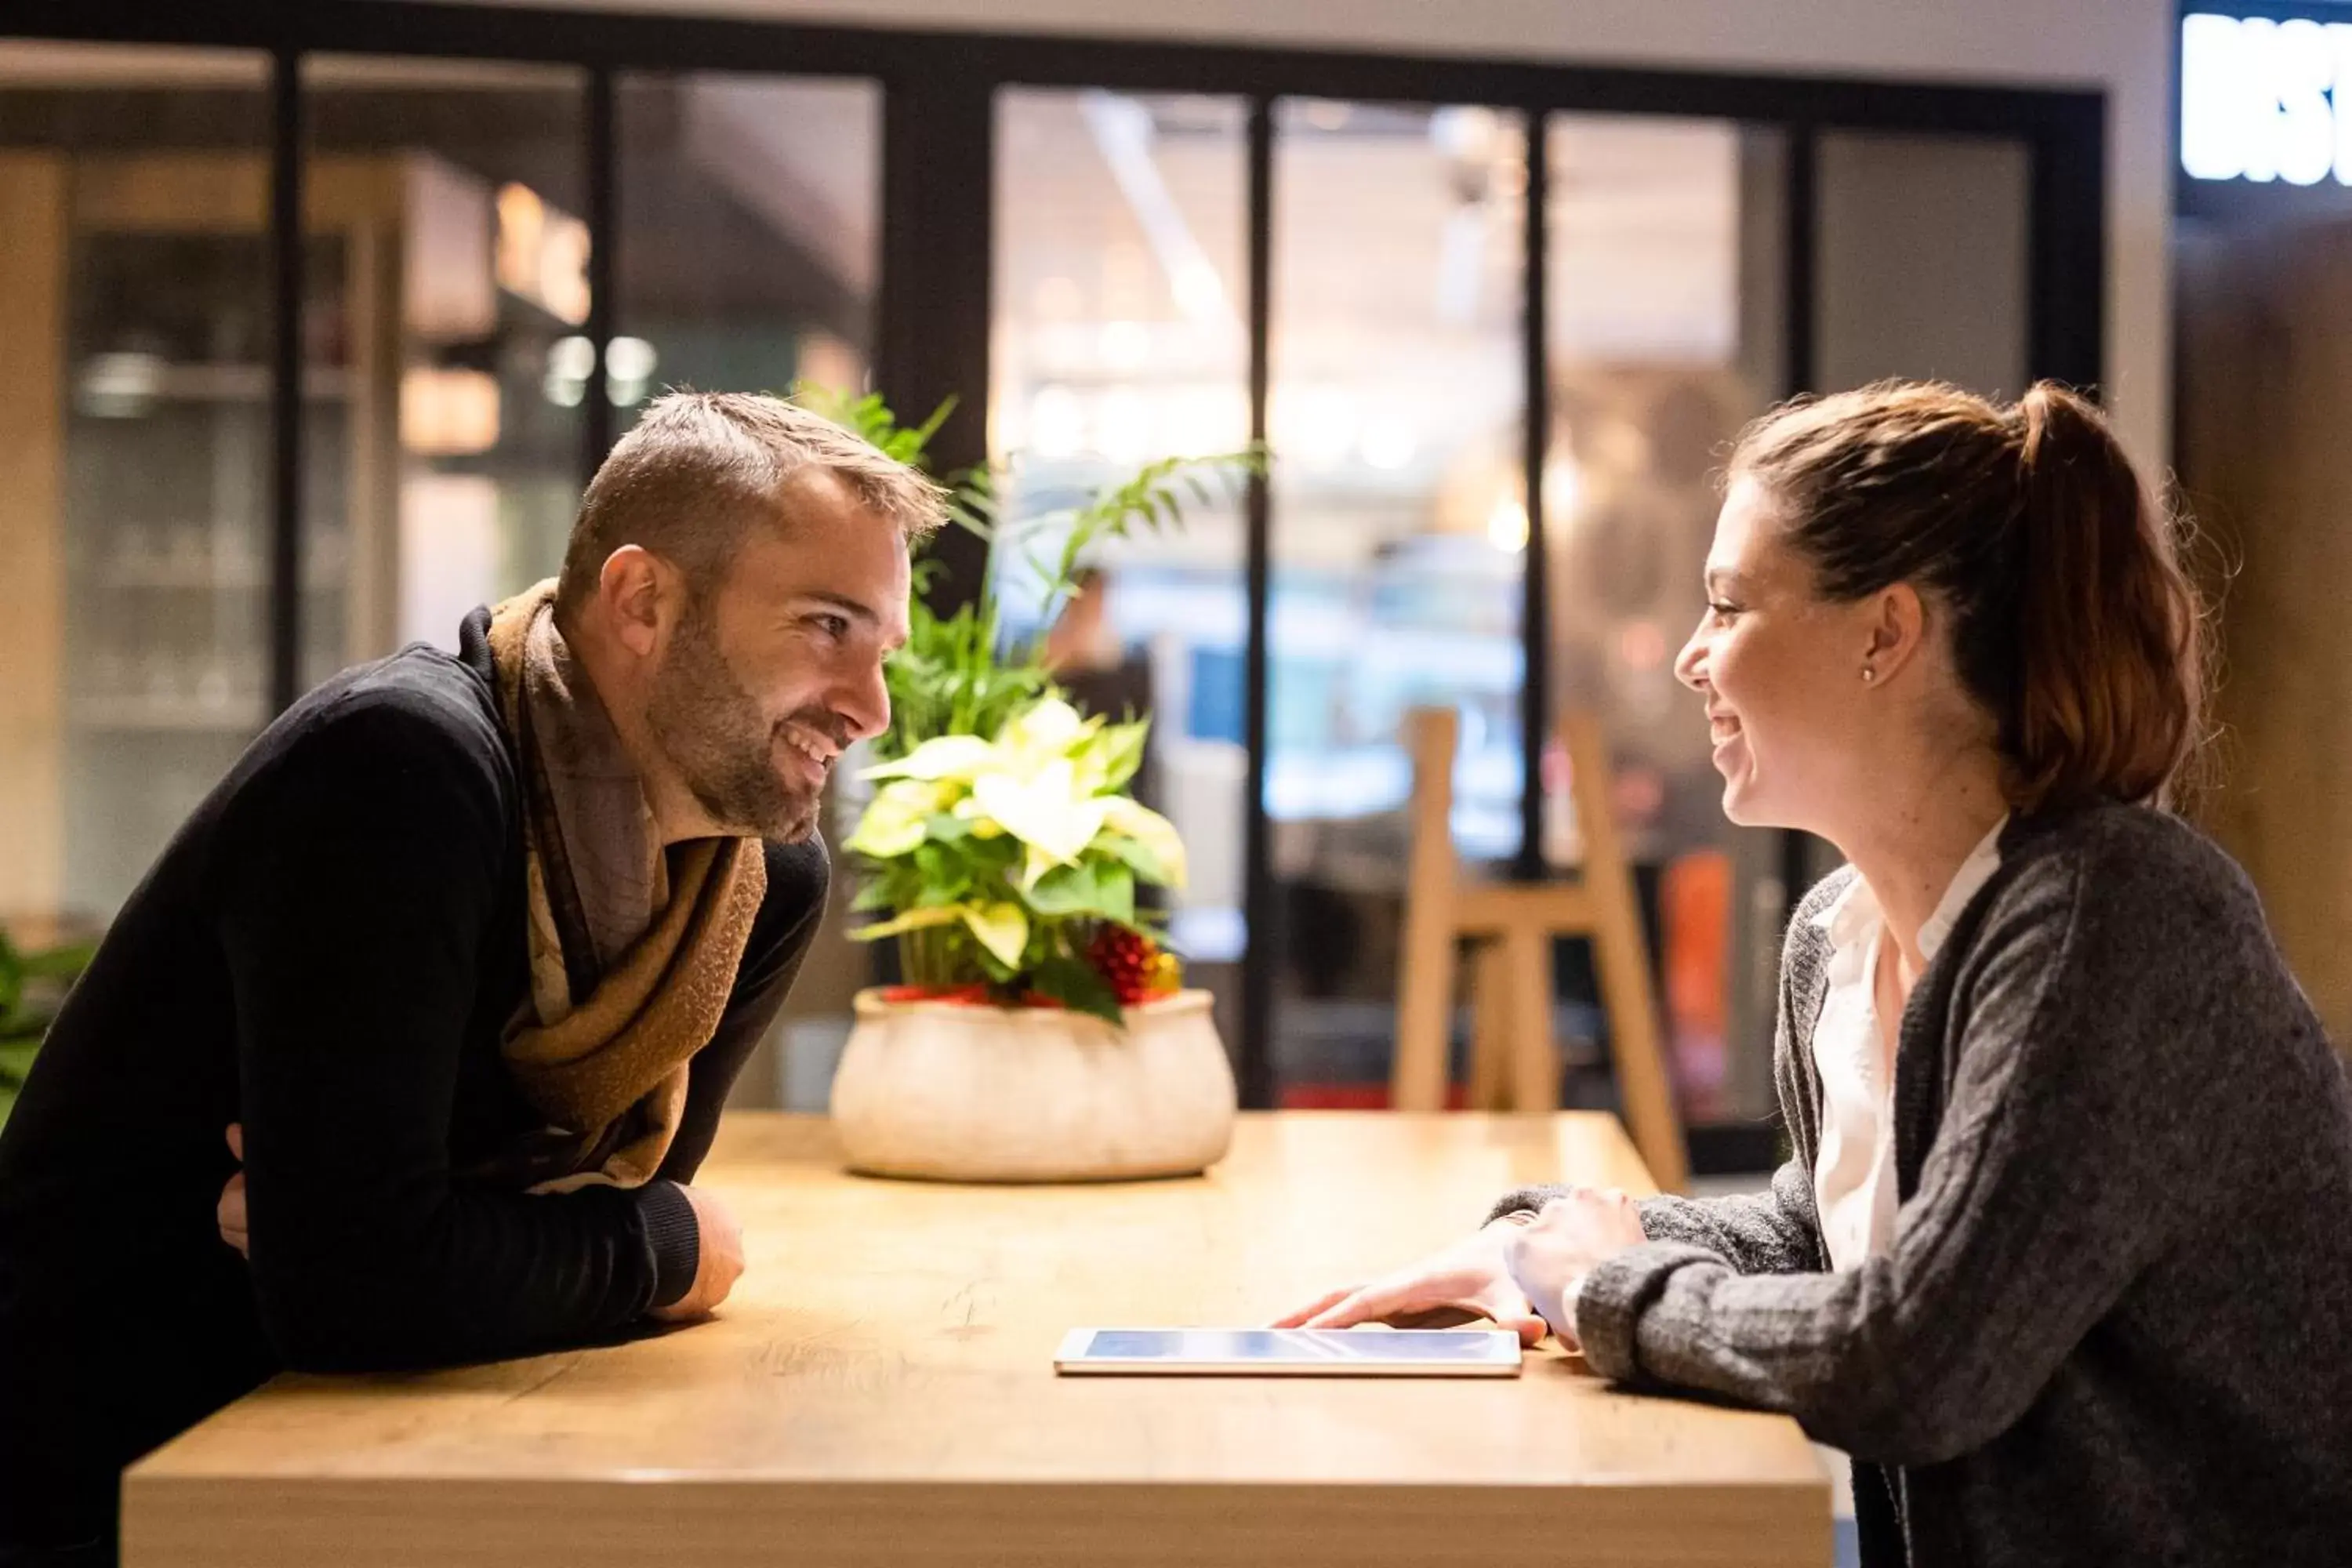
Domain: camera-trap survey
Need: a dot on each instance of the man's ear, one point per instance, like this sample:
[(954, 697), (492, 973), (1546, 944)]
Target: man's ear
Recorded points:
[(630, 589)]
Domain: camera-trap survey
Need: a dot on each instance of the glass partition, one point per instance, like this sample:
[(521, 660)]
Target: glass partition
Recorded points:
[(1121, 293), (134, 455), (448, 289), (1398, 541)]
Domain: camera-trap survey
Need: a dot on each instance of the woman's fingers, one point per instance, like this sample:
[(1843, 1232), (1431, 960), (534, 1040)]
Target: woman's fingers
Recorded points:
[(1507, 1308), (1321, 1303), (1375, 1303), (1350, 1309)]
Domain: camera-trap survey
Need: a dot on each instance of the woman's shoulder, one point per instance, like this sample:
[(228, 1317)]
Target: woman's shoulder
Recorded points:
[(2114, 854), (2131, 890)]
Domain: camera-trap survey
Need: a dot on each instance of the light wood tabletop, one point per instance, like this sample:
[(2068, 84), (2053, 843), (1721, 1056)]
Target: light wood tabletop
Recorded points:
[(880, 1391)]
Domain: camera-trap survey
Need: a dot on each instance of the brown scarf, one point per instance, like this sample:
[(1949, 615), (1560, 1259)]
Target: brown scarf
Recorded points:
[(633, 951)]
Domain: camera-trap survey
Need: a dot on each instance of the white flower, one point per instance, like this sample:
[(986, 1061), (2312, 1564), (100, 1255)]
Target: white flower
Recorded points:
[(1148, 829), (1050, 727), (911, 920), (896, 820), (958, 757), (1044, 812), (1003, 929)]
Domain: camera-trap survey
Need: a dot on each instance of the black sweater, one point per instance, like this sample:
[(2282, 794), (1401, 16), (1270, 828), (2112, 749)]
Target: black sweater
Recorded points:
[(327, 952)]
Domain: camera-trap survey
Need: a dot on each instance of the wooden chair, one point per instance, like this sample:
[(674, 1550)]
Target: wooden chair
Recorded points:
[(1515, 1063)]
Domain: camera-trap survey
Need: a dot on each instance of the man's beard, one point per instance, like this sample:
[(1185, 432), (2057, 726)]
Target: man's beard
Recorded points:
[(722, 744)]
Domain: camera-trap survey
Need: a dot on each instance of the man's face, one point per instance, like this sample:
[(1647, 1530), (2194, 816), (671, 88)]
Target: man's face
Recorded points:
[(768, 677)]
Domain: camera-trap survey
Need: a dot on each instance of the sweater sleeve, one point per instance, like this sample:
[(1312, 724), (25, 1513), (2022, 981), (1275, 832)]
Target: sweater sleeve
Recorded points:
[(1771, 1231), (354, 899), (2050, 1188)]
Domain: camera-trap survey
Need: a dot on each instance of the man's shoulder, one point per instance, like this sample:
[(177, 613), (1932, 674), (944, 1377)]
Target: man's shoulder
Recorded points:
[(420, 718)]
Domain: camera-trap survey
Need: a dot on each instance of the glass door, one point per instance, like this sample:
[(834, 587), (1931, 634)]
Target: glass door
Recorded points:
[(1118, 338), (1665, 335), (1398, 541), (134, 286), (443, 327)]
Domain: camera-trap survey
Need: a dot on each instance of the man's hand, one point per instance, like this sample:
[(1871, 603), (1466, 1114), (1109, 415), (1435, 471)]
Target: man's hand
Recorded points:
[(1470, 1276), (231, 1209), (721, 1262), (1573, 1235)]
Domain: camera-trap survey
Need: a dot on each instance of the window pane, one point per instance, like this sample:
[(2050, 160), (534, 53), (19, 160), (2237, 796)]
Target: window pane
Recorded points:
[(750, 224), (750, 211), (447, 287), (1921, 259), (134, 454), (1121, 296), (1399, 538), (1665, 336)]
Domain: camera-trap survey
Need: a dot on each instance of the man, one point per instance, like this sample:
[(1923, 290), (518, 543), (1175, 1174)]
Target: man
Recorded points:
[(460, 962)]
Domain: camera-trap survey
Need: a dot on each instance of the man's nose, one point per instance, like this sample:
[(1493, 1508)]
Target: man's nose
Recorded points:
[(863, 704)]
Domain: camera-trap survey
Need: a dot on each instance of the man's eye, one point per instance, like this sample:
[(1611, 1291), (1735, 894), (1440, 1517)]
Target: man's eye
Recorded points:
[(834, 626), (1721, 611)]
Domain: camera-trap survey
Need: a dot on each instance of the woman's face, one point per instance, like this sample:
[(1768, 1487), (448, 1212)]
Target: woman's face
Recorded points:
[(1780, 670)]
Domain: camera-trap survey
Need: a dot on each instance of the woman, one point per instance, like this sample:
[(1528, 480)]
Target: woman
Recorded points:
[(2064, 1254)]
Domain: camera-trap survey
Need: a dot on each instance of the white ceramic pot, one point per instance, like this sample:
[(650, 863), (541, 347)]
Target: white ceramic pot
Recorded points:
[(951, 1092)]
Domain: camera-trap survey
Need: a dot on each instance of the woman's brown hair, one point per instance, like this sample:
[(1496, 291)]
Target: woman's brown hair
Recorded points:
[(2073, 620)]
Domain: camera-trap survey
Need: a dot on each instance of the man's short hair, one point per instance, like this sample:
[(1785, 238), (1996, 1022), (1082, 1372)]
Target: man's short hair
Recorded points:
[(700, 469)]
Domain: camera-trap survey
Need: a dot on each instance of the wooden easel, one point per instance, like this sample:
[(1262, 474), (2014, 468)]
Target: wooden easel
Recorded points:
[(1515, 1063)]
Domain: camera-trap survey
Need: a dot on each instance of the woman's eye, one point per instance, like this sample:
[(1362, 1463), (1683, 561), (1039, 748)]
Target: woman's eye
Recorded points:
[(1721, 611)]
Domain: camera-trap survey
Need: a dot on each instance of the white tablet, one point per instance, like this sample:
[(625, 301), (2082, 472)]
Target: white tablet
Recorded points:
[(1294, 1352)]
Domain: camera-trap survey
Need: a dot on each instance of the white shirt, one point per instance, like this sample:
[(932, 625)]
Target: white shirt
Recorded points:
[(1853, 1176)]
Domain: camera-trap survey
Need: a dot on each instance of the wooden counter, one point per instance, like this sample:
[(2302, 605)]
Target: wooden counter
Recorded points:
[(880, 1391)]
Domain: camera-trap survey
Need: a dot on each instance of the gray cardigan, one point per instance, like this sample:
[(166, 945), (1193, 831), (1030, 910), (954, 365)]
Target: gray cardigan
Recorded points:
[(2116, 1324)]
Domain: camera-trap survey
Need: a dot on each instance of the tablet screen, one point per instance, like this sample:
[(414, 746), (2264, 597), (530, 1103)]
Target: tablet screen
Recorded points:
[(1279, 1344), (1294, 1349)]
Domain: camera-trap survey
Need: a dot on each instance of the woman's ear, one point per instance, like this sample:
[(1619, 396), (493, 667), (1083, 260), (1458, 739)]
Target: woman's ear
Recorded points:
[(1898, 630)]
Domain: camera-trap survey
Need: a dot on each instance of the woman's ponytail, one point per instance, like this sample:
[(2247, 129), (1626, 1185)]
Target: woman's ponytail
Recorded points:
[(2110, 673)]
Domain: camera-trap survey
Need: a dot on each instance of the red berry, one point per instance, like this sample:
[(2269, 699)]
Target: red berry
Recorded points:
[(1124, 959)]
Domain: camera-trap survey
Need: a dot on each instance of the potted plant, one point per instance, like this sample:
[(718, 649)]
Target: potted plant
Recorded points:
[(1042, 1032), (33, 987)]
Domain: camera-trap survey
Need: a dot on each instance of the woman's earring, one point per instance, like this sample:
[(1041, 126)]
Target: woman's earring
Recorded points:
[(1868, 675)]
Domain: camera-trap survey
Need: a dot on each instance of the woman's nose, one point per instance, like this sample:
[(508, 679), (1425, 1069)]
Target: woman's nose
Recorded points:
[(1690, 664)]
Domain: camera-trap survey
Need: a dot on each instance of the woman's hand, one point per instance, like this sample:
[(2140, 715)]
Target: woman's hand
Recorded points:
[(1573, 1235), (1471, 1276)]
